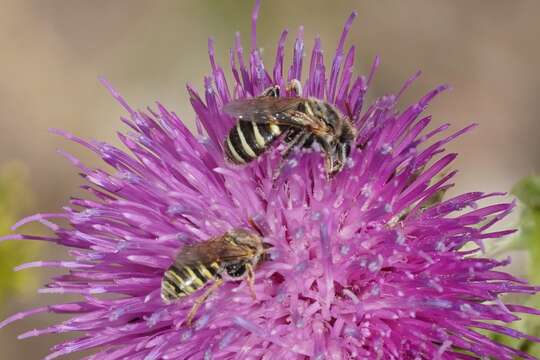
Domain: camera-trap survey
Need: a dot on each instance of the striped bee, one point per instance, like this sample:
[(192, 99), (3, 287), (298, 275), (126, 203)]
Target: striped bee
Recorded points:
[(302, 121), (231, 256)]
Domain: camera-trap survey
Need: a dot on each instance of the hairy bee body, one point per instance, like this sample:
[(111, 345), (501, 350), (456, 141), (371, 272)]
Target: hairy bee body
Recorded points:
[(247, 140), (302, 121), (196, 265), (182, 280)]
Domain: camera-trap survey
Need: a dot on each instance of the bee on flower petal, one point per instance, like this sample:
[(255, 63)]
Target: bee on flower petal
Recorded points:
[(231, 256), (301, 121)]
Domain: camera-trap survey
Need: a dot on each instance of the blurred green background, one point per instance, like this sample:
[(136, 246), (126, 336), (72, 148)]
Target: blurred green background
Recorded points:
[(53, 52)]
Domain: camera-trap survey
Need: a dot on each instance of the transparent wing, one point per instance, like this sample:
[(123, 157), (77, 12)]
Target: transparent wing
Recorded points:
[(214, 250), (267, 109)]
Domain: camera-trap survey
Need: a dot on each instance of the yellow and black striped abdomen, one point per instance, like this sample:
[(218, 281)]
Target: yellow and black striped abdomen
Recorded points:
[(247, 140), (179, 281)]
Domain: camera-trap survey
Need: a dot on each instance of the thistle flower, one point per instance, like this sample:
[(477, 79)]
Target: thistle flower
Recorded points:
[(363, 266)]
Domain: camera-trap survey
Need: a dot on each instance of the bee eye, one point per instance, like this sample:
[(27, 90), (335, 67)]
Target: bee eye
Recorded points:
[(236, 270)]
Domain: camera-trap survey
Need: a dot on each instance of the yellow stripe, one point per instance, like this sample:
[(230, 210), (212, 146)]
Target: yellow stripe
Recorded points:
[(186, 285), (275, 129), (175, 278), (309, 110), (233, 152), (194, 278), (258, 137), (244, 143), (166, 297), (204, 271), (168, 289)]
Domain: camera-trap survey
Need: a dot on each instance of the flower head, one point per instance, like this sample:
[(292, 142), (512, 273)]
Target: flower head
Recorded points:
[(365, 265)]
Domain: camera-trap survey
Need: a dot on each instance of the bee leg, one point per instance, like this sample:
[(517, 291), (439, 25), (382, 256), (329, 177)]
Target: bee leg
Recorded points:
[(251, 280), (201, 299), (254, 225), (329, 160), (349, 111), (272, 91), (295, 86), (296, 142)]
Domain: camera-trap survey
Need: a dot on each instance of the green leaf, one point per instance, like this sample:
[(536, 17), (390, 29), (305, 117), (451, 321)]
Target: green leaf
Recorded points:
[(528, 191), (14, 199), (528, 238)]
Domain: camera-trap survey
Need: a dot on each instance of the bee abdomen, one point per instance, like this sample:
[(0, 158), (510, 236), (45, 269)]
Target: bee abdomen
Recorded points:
[(179, 281), (247, 140)]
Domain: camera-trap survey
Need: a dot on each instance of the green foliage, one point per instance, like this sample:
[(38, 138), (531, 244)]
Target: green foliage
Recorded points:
[(14, 199), (528, 192)]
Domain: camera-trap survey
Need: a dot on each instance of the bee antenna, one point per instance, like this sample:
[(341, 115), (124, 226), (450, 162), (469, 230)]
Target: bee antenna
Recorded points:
[(254, 225), (349, 111)]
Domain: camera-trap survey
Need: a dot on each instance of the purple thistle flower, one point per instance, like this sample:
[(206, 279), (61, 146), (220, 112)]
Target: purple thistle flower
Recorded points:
[(362, 266)]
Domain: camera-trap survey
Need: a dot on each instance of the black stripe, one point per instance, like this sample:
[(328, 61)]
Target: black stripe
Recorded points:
[(175, 285), (182, 285), (178, 271), (186, 276), (211, 270), (309, 142), (247, 129), (267, 134), (198, 274), (264, 129), (235, 141), (331, 117), (230, 156), (181, 272), (169, 295)]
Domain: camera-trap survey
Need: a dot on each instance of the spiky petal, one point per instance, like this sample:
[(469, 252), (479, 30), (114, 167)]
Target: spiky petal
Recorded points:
[(363, 266)]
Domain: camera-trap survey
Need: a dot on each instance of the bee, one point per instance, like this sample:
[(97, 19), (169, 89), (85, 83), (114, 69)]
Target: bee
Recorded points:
[(229, 257), (301, 121)]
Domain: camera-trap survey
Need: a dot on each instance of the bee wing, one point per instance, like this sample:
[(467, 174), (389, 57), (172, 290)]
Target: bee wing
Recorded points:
[(214, 250), (265, 109)]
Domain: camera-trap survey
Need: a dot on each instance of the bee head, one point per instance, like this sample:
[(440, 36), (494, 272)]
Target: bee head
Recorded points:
[(340, 149), (248, 240)]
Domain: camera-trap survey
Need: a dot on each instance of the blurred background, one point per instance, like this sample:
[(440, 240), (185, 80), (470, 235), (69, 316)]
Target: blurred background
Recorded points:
[(53, 52)]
